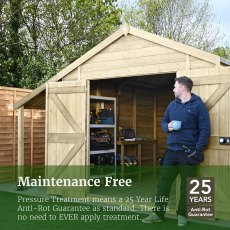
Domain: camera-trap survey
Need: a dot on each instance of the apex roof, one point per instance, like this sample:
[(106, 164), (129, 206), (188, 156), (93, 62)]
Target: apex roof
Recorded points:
[(124, 31)]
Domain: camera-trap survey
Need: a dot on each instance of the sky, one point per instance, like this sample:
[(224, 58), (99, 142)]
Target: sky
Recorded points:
[(221, 10)]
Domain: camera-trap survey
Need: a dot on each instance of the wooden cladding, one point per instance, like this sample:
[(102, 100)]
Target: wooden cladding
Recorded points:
[(67, 90), (65, 124), (130, 56), (72, 122), (133, 55), (65, 138), (220, 91), (215, 145)]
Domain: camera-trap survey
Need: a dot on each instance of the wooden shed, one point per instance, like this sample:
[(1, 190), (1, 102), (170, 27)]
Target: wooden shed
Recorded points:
[(136, 69)]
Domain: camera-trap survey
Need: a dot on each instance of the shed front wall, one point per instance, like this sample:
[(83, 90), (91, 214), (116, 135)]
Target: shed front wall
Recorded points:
[(213, 86), (134, 56), (131, 56)]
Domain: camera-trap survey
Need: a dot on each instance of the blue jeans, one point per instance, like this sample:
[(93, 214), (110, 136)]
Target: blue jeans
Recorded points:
[(175, 163)]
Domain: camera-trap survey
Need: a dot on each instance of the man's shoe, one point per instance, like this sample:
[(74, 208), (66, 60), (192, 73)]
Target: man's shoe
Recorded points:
[(181, 221), (152, 218)]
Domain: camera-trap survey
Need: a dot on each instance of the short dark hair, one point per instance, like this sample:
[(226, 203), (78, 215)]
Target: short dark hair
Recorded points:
[(186, 81)]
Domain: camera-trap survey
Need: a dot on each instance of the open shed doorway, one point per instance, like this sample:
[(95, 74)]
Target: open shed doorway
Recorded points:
[(140, 105)]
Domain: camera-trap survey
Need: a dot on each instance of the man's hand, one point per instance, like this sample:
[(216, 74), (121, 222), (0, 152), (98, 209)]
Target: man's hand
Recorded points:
[(170, 126), (192, 154)]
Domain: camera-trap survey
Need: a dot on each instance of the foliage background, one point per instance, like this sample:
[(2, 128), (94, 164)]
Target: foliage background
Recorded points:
[(40, 37)]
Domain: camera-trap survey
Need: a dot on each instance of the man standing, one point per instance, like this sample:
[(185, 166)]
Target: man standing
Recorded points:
[(186, 143)]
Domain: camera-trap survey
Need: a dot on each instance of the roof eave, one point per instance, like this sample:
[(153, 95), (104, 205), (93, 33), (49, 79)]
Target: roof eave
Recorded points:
[(29, 96), (224, 61)]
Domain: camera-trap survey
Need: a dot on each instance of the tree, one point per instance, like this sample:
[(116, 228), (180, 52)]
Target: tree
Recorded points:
[(223, 52), (11, 49), (185, 21), (40, 37)]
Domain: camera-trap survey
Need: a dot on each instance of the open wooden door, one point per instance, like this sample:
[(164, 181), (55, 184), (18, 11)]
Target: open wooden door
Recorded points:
[(213, 86), (66, 133)]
